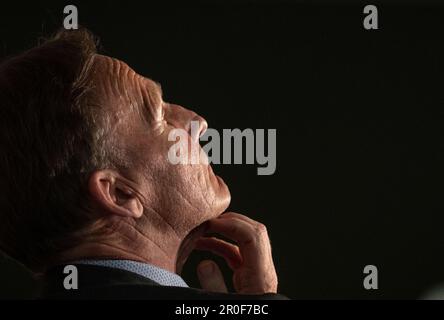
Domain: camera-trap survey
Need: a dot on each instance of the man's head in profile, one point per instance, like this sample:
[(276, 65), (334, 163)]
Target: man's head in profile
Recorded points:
[(85, 171)]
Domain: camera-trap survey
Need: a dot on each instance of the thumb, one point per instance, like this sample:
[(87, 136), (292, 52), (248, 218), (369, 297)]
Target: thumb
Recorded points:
[(210, 277)]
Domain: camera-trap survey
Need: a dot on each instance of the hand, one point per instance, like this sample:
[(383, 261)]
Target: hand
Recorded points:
[(188, 245), (250, 258)]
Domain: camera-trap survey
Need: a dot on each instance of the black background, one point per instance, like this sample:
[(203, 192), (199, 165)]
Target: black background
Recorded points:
[(358, 115)]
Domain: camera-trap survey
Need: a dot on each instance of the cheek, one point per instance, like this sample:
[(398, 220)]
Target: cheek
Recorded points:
[(196, 181)]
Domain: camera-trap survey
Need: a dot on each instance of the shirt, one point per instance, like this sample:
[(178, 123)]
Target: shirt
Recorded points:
[(156, 274)]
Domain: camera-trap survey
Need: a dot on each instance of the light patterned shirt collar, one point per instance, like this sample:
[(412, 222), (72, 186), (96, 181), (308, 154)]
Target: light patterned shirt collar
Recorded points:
[(156, 274)]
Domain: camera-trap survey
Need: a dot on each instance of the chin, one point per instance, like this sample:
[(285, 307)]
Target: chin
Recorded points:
[(219, 199)]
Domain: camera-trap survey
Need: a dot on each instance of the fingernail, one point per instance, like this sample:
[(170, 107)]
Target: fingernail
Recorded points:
[(206, 269)]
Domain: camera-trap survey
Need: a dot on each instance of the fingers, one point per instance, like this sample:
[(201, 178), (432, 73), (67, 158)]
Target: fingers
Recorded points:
[(228, 251), (187, 246), (252, 239), (210, 277), (256, 273), (239, 216)]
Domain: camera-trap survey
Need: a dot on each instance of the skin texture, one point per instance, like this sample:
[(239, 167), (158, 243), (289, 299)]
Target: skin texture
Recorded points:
[(156, 212)]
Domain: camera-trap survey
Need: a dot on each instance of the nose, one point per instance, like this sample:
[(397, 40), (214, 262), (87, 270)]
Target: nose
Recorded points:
[(186, 119), (203, 125)]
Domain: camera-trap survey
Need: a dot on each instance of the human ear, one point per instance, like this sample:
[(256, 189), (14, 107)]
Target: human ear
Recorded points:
[(111, 193)]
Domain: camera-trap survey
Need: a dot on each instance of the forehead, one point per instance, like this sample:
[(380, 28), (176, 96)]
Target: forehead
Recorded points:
[(117, 70), (116, 80)]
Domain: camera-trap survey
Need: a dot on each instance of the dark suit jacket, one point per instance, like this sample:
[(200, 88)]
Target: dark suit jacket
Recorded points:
[(97, 282)]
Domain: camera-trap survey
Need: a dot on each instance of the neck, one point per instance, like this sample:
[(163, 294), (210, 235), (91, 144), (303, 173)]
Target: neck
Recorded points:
[(148, 239)]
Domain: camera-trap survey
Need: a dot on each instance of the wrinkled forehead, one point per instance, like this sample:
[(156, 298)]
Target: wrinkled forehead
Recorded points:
[(116, 82)]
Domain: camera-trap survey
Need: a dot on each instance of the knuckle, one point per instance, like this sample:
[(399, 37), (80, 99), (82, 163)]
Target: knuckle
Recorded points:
[(234, 229)]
